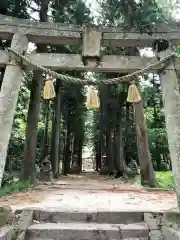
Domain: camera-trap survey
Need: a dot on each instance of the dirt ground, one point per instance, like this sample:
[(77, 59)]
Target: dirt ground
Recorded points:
[(91, 192)]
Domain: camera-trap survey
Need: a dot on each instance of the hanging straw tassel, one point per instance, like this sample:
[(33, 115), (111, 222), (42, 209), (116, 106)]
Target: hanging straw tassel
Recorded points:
[(49, 91), (92, 99), (133, 94)]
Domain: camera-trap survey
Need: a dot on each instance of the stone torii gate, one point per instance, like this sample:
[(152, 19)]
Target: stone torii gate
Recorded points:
[(21, 32)]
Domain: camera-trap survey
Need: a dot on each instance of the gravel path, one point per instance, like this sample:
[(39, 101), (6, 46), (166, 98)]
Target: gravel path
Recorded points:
[(90, 192)]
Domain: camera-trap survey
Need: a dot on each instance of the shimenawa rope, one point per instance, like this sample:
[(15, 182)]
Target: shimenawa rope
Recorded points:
[(70, 79)]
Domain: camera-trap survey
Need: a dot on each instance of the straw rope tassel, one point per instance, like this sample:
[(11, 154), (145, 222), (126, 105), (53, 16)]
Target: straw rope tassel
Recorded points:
[(92, 99), (133, 94), (49, 91)]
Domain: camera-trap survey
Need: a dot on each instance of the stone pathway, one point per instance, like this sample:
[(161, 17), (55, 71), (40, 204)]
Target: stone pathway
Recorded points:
[(90, 192)]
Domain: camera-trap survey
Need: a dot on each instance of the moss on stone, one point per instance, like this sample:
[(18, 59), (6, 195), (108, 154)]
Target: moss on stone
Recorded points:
[(5, 214)]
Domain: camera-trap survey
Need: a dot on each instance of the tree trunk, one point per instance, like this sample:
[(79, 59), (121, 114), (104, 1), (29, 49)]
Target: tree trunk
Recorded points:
[(9, 96), (120, 160), (128, 136), (110, 117), (76, 162), (56, 133), (67, 155), (146, 167), (103, 106), (45, 136), (2, 76), (109, 150), (98, 152), (28, 171), (64, 151), (145, 161), (147, 171), (80, 154), (97, 141)]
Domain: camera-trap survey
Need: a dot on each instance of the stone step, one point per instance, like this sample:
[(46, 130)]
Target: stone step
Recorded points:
[(55, 216), (170, 233), (6, 232), (87, 231), (84, 239)]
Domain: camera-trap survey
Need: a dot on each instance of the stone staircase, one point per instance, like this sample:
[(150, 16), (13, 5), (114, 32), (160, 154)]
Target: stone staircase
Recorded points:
[(57, 225)]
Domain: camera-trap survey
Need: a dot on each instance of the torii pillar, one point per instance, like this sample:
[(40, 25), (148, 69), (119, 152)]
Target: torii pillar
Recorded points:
[(9, 96), (171, 101)]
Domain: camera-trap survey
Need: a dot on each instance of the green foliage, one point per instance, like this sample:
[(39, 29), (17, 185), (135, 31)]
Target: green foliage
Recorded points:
[(16, 144), (90, 127), (15, 187), (142, 15), (84, 125), (165, 180), (14, 8), (73, 97), (71, 12)]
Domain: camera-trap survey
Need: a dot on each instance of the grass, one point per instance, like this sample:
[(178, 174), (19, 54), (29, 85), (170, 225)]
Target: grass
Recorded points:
[(14, 187), (165, 180)]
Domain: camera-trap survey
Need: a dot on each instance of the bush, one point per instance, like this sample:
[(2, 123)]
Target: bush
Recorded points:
[(165, 180), (14, 187)]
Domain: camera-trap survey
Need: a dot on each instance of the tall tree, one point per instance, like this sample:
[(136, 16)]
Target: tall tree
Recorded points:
[(28, 171), (141, 15), (74, 12)]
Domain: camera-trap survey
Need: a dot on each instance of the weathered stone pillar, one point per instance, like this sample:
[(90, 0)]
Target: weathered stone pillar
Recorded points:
[(171, 101), (9, 96), (91, 53)]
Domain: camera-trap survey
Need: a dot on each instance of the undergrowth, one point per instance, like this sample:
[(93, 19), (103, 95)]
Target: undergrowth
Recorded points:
[(165, 180), (14, 187)]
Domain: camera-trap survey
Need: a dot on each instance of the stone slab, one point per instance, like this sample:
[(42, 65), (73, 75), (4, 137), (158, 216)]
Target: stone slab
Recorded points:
[(125, 217), (172, 219), (156, 235), (55, 216), (65, 231), (170, 233), (133, 230), (58, 33), (153, 220), (53, 239), (5, 214), (6, 233), (24, 221)]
